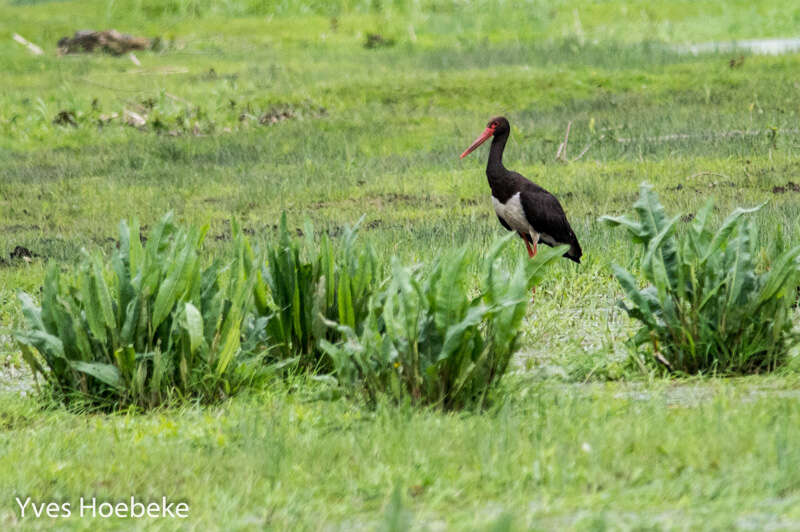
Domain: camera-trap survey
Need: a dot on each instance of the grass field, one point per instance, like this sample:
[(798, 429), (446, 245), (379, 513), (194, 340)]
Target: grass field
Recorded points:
[(254, 108)]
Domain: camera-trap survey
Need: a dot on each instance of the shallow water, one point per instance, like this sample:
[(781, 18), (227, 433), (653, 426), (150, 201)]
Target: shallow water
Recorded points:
[(756, 46), (15, 379)]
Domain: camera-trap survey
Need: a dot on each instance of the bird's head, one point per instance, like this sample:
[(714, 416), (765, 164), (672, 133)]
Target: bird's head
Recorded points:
[(496, 126)]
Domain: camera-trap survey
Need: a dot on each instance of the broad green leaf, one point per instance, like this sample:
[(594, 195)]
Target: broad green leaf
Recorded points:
[(171, 290), (194, 326), (48, 345), (32, 313), (723, 234), (631, 289), (662, 247), (230, 343), (50, 292), (344, 301), (651, 213), (92, 305), (637, 231), (105, 373), (785, 267), (134, 246), (125, 358), (29, 356), (260, 294), (455, 333)]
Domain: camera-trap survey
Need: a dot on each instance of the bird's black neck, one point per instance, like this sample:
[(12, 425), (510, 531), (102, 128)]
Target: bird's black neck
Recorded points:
[(495, 169)]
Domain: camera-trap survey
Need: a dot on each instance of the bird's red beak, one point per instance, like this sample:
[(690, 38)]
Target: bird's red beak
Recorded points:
[(488, 132)]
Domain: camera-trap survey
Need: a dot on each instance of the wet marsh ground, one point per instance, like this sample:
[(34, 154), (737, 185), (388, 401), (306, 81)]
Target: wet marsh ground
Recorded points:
[(253, 109)]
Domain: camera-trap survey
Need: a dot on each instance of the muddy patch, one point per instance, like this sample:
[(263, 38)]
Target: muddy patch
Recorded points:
[(106, 241), (376, 40), (276, 114), (275, 228), (336, 231), (736, 62), (108, 41), (65, 118), (715, 184), (21, 254), (701, 187), (213, 75), (375, 200), (374, 224), (18, 228), (392, 197), (226, 234), (332, 231), (790, 186), (282, 112)]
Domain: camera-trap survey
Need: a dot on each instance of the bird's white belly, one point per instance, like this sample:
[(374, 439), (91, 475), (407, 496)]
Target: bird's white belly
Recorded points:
[(511, 211)]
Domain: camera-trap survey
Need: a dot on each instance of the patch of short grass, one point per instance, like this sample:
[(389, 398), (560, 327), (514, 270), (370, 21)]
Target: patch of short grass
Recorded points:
[(700, 454)]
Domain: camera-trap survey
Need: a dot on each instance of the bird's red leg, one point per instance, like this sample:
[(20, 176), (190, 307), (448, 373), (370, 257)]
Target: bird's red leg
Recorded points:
[(531, 254)]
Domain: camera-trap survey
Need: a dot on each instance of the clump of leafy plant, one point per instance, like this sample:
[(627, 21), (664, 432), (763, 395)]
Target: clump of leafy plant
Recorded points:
[(154, 327), (306, 281), (428, 340), (707, 307)]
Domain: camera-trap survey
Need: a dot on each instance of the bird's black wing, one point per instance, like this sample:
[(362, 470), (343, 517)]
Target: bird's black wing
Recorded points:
[(547, 217)]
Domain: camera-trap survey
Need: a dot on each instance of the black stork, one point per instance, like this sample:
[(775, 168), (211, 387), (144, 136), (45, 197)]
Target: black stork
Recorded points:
[(523, 206)]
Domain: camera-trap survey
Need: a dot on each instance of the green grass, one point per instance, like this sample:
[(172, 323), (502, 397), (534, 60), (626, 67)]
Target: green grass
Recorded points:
[(715, 455), (378, 132)]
